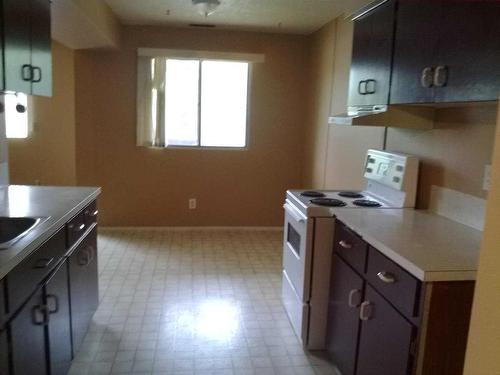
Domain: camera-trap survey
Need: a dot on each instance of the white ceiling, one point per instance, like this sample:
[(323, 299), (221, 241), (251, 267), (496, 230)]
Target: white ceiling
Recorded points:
[(284, 16)]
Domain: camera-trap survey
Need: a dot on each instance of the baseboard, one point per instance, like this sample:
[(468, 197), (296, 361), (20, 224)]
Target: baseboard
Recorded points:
[(191, 229)]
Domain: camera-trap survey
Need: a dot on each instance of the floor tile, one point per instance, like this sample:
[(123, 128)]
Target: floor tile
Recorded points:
[(192, 302)]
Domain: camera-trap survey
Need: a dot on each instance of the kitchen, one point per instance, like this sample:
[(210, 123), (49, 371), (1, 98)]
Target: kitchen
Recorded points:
[(199, 280)]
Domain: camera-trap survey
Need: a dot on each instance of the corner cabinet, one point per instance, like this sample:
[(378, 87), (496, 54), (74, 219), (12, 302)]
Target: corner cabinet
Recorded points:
[(370, 74), (382, 320), (446, 51), (26, 49)]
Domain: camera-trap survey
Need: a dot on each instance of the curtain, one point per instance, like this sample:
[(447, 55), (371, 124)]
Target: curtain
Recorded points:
[(151, 101)]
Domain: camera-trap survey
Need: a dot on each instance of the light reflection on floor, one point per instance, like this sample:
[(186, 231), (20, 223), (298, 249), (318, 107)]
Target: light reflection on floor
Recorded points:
[(192, 303)]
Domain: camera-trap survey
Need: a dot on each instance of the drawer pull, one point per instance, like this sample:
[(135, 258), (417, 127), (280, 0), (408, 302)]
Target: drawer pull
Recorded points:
[(354, 302), (54, 308), (365, 312), (345, 245), (43, 263), (386, 277), (95, 213), (39, 315)]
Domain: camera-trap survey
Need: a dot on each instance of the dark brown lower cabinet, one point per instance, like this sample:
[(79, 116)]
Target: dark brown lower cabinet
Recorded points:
[(343, 315), (28, 337), (59, 325), (377, 314), (83, 284), (4, 353), (385, 340)]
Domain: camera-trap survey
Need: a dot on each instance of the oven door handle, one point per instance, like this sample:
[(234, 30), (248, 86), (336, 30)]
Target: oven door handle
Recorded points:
[(298, 216)]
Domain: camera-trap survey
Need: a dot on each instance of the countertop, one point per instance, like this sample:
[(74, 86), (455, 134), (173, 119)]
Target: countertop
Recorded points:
[(57, 204), (429, 246)]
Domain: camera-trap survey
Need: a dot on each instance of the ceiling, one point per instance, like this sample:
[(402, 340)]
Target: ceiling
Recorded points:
[(281, 16)]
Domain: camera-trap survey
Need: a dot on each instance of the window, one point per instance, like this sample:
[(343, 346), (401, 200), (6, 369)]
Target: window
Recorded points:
[(192, 102), (16, 116)]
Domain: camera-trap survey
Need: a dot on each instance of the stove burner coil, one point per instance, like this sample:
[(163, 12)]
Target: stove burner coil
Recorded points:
[(329, 202)]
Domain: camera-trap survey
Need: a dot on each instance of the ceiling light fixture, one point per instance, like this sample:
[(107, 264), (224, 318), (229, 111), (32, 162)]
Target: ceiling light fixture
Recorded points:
[(206, 7)]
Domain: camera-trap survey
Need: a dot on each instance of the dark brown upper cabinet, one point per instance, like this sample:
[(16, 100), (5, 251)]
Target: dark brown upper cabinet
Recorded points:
[(446, 52), (26, 49), (370, 74)]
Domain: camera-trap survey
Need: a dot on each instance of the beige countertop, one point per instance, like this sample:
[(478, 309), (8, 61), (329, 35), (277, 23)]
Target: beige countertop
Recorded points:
[(429, 246), (56, 205)]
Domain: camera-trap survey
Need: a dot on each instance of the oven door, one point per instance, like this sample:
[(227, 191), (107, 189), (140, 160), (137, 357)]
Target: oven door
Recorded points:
[(297, 249)]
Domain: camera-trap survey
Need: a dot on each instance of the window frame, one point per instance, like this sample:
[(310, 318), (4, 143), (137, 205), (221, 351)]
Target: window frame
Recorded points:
[(248, 104)]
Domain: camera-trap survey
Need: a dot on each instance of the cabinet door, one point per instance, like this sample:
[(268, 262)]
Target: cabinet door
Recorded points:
[(59, 326), (469, 52), (17, 45), (371, 56), (4, 353), (343, 315), (41, 48), (385, 339), (28, 338), (83, 287), (415, 48)]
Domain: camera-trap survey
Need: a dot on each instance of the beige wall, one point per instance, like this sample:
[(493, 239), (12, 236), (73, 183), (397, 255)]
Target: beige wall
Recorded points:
[(454, 153), (322, 47), (151, 187), (484, 337), (48, 156)]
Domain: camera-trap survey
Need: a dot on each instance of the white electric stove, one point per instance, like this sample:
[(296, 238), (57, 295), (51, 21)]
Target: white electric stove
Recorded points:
[(391, 183)]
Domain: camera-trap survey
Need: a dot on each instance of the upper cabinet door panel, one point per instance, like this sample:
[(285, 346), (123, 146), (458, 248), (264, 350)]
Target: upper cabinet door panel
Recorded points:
[(41, 52), (469, 52), (17, 45), (416, 43), (371, 56)]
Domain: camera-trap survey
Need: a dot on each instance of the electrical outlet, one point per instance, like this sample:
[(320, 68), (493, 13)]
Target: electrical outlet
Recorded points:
[(192, 203), (487, 177)]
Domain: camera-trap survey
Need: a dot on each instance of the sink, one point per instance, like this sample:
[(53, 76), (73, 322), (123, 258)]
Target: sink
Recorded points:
[(13, 228)]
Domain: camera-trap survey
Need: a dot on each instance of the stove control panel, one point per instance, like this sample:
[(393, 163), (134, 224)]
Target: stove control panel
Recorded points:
[(391, 169)]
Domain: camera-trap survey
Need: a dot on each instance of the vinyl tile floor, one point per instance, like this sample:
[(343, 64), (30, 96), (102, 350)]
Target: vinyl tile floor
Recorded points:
[(197, 302)]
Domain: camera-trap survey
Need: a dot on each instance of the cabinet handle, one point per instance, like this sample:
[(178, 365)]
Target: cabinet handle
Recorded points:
[(54, 298), (440, 78), (84, 257), (36, 69), (351, 302), (95, 213), (365, 312), (374, 89), (26, 72), (427, 77), (43, 263), (360, 91), (345, 244), (386, 277), (39, 315)]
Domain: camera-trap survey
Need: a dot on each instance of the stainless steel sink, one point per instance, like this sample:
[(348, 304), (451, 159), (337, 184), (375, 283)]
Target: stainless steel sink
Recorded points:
[(12, 229)]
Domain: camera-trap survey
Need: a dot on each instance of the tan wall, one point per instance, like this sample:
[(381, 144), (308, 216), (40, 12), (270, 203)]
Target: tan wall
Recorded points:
[(48, 156), (322, 47), (484, 337), (151, 187), (454, 153)]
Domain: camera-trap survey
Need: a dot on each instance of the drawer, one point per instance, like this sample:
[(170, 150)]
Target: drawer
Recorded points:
[(75, 228), (26, 276), (90, 214), (350, 247), (393, 282)]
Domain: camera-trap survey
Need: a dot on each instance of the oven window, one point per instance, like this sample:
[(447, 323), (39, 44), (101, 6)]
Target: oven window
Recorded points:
[(293, 238)]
